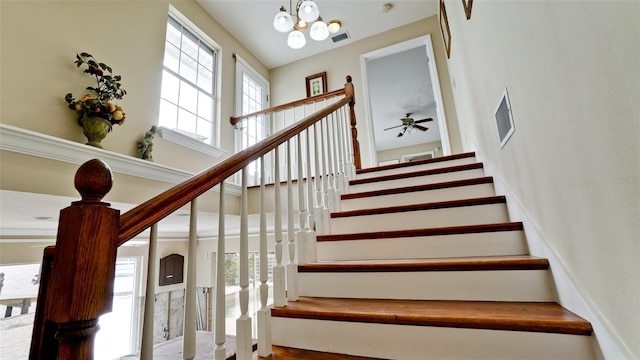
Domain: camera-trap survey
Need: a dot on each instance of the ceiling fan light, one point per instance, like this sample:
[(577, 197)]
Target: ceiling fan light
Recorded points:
[(301, 25), (334, 26), (308, 11), (319, 30), (283, 21), (296, 39)]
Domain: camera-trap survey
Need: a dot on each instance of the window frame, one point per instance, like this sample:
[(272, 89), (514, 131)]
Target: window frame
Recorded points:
[(177, 136)]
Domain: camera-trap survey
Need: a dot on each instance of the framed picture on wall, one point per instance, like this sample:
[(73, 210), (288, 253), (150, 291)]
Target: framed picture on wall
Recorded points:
[(467, 7), (316, 84), (444, 27)]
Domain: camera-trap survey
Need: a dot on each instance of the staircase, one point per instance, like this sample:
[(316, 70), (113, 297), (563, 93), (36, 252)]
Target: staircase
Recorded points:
[(423, 262)]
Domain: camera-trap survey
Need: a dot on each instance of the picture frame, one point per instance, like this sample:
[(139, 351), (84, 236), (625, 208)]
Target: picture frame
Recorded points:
[(444, 27), (316, 84), (467, 7)]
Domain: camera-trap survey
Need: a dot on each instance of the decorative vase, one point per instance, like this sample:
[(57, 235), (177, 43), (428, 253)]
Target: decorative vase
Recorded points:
[(95, 129)]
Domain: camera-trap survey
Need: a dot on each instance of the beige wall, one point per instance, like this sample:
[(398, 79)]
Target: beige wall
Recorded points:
[(39, 42), (287, 82), (572, 70)]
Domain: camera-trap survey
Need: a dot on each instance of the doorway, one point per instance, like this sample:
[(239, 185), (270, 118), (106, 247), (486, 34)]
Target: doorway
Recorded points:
[(401, 81)]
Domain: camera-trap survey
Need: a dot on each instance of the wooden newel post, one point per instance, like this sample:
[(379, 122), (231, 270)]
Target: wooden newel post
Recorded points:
[(348, 91), (78, 274)]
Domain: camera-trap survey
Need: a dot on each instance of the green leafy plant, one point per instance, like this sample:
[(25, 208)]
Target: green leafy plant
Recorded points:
[(99, 101)]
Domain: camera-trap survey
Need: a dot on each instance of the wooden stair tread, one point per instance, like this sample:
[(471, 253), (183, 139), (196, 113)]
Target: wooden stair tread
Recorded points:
[(489, 200), (423, 187), (287, 353), (507, 262), (495, 315), (404, 175), (414, 163), (449, 230)]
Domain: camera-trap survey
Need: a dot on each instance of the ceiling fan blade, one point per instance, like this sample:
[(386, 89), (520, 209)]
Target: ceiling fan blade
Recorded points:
[(420, 127), (393, 127), (422, 120), (400, 134)]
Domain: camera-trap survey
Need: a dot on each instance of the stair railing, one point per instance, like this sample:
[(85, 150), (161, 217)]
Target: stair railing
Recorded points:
[(78, 272)]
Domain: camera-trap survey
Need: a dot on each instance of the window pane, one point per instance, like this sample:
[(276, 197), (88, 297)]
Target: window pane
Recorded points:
[(171, 57), (188, 97), (170, 87), (187, 122), (205, 106), (173, 32), (205, 79), (188, 68), (190, 45), (205, 130), (168, 114), (206, 57)]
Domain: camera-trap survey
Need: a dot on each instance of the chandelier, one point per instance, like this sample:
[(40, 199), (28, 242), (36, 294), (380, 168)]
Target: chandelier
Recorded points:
[(307, 12)]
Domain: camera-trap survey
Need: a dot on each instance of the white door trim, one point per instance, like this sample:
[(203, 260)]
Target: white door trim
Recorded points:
[(435, 82)]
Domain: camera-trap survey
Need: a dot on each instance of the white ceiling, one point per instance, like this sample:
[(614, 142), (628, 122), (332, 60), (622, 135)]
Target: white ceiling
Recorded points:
[(251, 23)]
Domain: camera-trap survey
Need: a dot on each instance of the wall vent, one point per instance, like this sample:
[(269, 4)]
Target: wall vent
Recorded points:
[(504, 119), (340, 37)]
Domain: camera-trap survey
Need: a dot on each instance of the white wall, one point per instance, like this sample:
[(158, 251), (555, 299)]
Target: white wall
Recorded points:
[(288, 81), (573, 76)]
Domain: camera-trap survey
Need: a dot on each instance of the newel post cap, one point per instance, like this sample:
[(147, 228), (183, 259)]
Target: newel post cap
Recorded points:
[(93, 180)]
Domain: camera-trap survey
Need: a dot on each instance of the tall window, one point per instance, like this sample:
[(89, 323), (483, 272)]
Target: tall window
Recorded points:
[(188, 84)]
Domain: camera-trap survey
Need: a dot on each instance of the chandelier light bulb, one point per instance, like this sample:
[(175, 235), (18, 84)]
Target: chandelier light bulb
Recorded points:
[(296, 39), (319, 30), (308, 11), (283, 22)]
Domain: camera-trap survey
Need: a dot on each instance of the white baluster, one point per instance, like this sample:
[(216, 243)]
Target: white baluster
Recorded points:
[(220, 306), (243, 323), (336, 165), (341, 151), (292, 267), (146, 351), (189, 324), (264, 314), (311, 235), (301, 234), (330, 156), (326, 213), (317, 212), (279, 290)]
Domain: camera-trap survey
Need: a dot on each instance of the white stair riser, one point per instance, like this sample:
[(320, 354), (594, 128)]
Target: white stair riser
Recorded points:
[(436, 165), (417, 180), (489, 285), (417, 197), (481, 244), (409, 342), (421, 219)]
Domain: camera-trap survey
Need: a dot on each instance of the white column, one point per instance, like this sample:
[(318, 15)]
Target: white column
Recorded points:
[(220, 305), (264, 314), (189, 324), (146, 351), (243, 323)]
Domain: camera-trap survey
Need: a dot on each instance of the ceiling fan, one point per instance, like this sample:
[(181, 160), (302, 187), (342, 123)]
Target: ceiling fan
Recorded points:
[(408, 123)]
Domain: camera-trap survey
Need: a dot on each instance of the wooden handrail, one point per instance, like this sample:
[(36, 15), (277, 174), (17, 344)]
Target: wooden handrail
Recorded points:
[(138, 219), (236, 119)]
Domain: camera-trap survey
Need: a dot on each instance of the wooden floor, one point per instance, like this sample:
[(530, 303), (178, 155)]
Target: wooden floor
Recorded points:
[(517, 316), (284, 353)]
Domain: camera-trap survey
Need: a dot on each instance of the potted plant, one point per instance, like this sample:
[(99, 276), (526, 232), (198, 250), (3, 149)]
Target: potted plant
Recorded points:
[(97, 113)]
